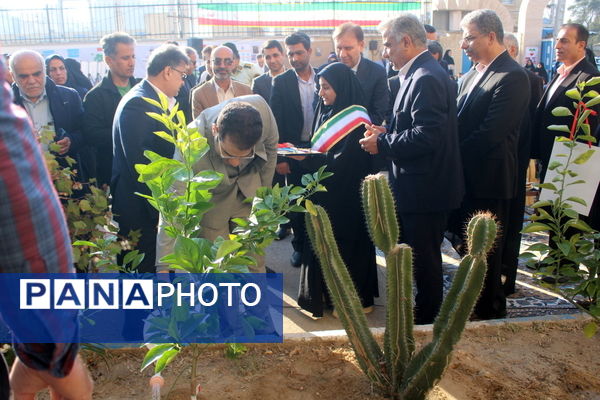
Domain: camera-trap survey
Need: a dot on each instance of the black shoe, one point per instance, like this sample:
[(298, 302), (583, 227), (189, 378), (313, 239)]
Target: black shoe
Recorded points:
[(282, 233), (296, 259)]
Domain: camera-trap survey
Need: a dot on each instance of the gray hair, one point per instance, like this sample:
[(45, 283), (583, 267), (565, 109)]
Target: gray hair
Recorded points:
[(511, 40), (190, 50), (167, 55), (14, 57), (109, 42), (486, 21), (404, 25)]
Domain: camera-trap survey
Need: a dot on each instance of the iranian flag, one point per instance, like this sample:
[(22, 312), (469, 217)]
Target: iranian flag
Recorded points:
[(338, 126)]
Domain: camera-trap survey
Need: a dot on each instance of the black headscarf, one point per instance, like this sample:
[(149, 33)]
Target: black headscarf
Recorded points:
[(75, 78), (347, 89), (75, 75), (55, 57)]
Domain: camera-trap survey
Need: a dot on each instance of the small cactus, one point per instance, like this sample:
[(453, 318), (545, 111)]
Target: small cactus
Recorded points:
[(400, 372)]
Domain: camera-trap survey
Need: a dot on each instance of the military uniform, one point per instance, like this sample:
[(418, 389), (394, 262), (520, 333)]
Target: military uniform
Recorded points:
[(246, 72)]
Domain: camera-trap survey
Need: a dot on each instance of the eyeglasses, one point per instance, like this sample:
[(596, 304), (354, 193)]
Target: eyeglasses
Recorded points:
[(224, 61), (225, 155), (468, 39), (183, 74)]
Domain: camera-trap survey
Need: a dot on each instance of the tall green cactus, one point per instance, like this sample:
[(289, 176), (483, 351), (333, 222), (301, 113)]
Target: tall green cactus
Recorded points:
[(397, 370)]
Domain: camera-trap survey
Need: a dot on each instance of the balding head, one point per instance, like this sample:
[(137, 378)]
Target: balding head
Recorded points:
[(29, 72), (222, 58)]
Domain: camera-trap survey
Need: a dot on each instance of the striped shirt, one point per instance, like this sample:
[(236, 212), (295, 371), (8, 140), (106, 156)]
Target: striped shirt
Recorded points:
[(33, 231)]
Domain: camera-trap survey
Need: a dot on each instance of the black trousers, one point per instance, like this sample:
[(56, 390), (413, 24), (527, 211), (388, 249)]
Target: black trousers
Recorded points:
[(512, 234), (424, 232), (296, 219), (492, 301)]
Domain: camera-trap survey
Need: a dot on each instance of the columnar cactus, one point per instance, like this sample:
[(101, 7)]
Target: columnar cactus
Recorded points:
[(397, 370)]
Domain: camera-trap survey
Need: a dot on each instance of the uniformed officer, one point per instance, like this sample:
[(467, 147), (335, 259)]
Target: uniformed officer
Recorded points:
[(243, 72)]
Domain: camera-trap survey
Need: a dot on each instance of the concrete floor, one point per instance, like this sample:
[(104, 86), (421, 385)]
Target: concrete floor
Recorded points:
[(530, 300), (295, 319)]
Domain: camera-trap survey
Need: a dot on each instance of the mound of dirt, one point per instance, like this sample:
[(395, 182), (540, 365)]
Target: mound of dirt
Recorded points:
[(549, 360)]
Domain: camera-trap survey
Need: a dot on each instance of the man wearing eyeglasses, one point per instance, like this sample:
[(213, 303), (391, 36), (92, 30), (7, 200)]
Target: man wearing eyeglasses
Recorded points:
[(132, 135), (243, 147), (221, 87), (492, 101)]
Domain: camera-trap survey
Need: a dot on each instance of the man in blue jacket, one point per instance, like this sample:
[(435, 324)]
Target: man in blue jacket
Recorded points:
[(133, 133), (48, 105)]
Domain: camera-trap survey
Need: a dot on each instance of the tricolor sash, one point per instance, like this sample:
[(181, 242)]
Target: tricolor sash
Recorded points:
[(338, 126)]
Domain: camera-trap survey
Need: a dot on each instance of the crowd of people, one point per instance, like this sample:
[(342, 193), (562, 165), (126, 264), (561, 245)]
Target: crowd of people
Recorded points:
[(450, 148)]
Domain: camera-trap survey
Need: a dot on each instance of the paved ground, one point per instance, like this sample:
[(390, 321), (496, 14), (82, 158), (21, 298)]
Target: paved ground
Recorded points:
[(529, 300)]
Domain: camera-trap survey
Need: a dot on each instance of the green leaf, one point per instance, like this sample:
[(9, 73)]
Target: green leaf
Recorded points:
[(591, 93), (559, 128), (565, 247), (79, 225), (593, 102), (593, 81), (155, 353), (554, 164), (166, 358), (84, 205), (572, 94), (571, 213), (536, 227), (547, 185), (590, 329), (587, 138), (582, 158), (228, 247), (579, 224), (586, 131), (152, 101), (85, 243), (577, 200), (310, 207), (538, 247), (541, 203), (563, 111), (165, 135)]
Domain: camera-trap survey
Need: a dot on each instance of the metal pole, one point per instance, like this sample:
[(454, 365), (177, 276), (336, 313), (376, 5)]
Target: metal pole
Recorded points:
[(48, 22), (179, 20)]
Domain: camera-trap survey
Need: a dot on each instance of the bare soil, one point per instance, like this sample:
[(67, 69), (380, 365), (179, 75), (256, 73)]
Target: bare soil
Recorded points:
[(539, 360)]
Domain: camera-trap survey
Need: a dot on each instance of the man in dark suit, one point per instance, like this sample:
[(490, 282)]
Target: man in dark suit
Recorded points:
[(570, 50), (492, 101), (512, 232), (570, 47), (292, 99), (132, 135), (273, 53), (349, 42), (422, 145)]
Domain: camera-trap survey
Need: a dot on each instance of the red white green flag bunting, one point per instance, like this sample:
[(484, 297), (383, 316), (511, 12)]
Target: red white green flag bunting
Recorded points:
[(338, 126)]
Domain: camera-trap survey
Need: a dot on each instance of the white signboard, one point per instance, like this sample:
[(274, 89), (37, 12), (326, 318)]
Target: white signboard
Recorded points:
[(587, 172), (532, 53)]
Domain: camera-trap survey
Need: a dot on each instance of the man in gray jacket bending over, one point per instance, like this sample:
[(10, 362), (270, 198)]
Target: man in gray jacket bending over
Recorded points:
[(242, 134)]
